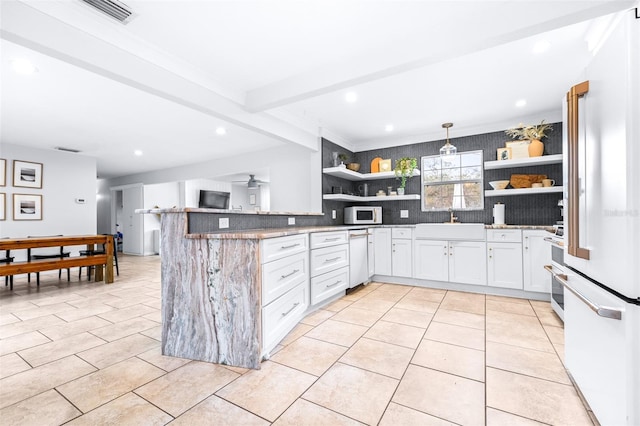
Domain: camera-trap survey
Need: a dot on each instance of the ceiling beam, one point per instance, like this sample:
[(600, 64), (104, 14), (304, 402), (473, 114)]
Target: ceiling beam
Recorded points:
[(362, 70), (29, 27)]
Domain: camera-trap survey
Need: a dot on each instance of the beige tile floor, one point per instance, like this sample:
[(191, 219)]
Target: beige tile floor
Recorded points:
[(88, 353)]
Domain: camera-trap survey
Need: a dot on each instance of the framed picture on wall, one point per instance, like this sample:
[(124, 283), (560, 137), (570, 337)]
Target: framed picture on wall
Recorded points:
[(3, 172), (3, 206), (27, 207), (27, 174), (504, 154)]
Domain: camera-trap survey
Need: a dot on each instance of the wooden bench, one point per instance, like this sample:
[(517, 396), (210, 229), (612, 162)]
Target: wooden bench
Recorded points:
[(38, 265)]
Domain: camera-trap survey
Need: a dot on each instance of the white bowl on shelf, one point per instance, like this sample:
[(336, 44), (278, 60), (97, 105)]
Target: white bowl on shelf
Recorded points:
[(499, 184)]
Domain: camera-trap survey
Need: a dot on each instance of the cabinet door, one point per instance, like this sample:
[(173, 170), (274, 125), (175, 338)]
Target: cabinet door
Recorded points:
[(382, 255), (535, 254), (468, 262), (371, 249), (431, 260), (401, 258), (504, 265)]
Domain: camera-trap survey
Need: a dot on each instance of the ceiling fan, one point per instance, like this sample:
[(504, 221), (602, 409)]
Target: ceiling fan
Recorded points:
[(252, 182)]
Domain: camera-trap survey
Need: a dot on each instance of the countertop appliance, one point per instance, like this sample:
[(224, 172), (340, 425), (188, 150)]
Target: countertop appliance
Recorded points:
[(358, 257), (363, 215), (602, 222)]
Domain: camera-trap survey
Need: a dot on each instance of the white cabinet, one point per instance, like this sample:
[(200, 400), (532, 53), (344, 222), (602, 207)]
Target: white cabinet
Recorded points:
[(382, 251), (535, 254), (401, 258), (504, 265), (285, 286), (454, 261), (328, 259), (401, 250), (468, 262), (431, 260), (329, 264), (504, 258)]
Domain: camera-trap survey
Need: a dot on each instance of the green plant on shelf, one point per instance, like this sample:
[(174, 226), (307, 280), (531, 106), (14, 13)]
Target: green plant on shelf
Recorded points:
[(404, 169)]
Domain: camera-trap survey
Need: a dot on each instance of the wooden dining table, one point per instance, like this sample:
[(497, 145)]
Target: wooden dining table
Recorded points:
[(37, 265)]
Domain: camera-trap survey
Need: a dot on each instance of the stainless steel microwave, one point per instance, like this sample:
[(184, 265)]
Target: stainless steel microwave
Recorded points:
[(362, 215)]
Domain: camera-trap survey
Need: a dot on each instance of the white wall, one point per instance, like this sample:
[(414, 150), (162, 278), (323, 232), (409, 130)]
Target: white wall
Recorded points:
[(192, 189), (65, 177), (163, 195), (295, 175)]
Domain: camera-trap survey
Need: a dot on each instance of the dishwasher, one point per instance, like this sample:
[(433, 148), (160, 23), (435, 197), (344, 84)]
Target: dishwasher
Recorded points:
[(358, 257)]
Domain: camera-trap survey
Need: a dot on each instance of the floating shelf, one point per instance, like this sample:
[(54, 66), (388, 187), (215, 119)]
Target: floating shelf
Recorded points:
[(522, 191), (524, 162), (344, 173), (345, 197)]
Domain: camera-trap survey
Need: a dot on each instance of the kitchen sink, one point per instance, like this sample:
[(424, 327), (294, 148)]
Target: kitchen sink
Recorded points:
[(450, 231)]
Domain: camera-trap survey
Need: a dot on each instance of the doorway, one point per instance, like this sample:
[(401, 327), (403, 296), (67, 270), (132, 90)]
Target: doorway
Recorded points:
[(124, 202)]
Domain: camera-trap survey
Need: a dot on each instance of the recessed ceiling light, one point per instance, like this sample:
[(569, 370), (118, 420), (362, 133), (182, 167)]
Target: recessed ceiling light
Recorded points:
[(221, 131), (23, 66), (521, 102), (388, 128), (137, 152), (351, 97), (541, 46)]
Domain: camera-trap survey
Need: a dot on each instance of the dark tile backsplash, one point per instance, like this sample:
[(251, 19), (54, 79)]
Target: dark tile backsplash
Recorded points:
[(519, 210), (539, 209)]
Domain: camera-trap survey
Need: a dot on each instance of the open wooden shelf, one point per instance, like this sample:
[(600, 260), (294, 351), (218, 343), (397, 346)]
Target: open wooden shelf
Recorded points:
[(522, 191), (344, 173), (523, 162), (346, 197)]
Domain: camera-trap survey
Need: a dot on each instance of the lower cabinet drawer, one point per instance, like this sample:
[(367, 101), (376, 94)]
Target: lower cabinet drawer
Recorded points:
[(329, 259), (329, 284), (282, 275), (281, 315), (504, 235)]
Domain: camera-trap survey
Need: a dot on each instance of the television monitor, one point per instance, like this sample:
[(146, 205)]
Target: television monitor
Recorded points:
[(214, 199)]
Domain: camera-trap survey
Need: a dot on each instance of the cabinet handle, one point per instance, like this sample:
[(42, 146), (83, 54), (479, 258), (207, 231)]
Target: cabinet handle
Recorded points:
[(332, 239), (284, 314), (333, 259), (573, 236), (288, 275), (334, 284), (290, 246), (603, 311)]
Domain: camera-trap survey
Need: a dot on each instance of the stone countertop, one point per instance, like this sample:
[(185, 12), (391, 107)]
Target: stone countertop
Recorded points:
[(548, 228), (260, 234), (222, 211)]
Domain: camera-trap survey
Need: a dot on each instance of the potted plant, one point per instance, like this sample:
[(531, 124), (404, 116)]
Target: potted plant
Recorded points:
[(532, 133), (342, 157), (404, 170)]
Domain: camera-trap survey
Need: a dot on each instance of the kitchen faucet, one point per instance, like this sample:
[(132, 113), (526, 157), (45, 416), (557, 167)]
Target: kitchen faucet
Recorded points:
[(453, 218)]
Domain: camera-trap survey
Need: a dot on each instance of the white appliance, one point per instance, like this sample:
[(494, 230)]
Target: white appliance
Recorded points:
[(362, 215), (602, 227), (358, 257)]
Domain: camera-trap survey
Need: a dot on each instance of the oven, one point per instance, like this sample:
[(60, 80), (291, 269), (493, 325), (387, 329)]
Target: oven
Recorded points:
[(557, 269)]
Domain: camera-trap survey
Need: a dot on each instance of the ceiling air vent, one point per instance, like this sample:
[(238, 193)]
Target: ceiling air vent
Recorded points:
[(113, 8), (61, 148)]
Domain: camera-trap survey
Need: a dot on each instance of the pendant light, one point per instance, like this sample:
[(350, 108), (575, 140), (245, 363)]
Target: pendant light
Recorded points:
[(448, 150)]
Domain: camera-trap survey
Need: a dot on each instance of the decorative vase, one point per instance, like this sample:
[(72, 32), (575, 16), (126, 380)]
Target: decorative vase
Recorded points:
[(400, 191), (536, 148)]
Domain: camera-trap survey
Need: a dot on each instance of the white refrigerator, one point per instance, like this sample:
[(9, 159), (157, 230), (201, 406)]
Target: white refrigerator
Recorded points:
[(602, 223)]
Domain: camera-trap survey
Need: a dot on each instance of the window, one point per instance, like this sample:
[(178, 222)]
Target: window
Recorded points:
[(454, 182)]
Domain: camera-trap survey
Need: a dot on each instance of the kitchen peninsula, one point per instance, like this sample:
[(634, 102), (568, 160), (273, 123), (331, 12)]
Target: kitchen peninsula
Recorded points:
[(229, 297)]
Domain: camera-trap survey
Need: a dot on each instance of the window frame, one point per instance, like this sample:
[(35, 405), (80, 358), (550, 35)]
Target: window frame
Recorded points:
[(461, 181)]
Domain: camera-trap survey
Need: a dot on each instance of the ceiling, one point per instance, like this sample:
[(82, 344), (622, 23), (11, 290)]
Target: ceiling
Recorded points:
[(274, 72)]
